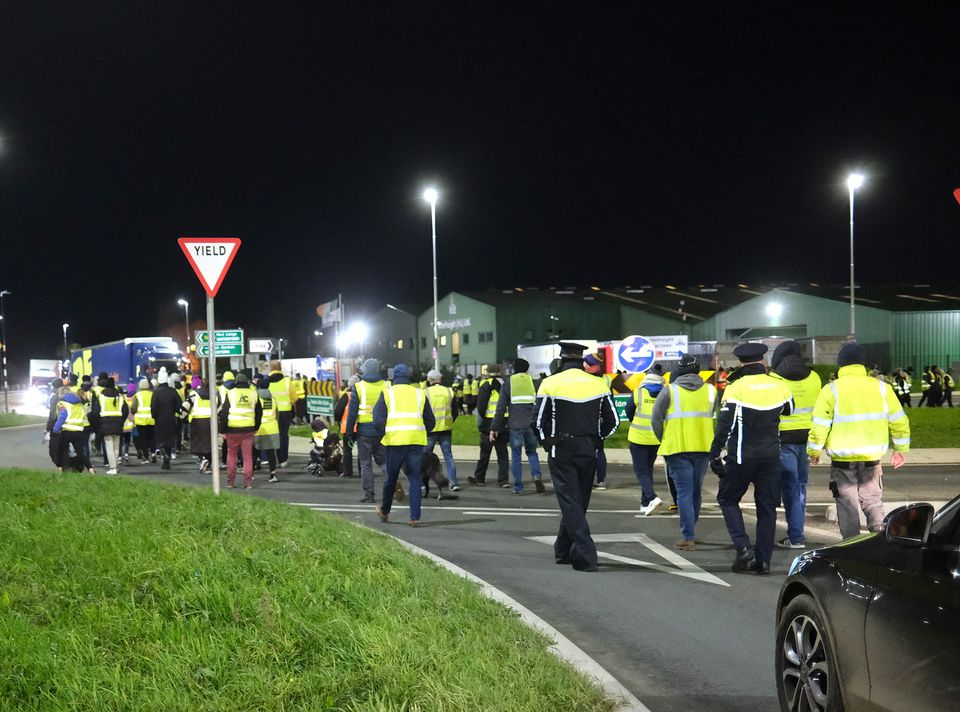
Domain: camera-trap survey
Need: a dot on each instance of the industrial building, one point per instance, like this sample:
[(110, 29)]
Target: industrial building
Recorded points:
[(900, 325)]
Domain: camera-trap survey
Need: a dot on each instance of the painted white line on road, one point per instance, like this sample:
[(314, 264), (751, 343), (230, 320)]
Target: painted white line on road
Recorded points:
[(563, 647), (497, 513), (21, 427)]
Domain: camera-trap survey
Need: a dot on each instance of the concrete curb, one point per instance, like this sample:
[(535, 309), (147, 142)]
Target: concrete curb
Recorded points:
[(563, 647)]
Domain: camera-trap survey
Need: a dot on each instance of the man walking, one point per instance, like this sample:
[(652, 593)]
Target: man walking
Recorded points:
[(575, 413), (240, 418), (402, 417), (283, 395), (516, 410), (142, 410), (644, 443), (445, 411), (682, 420), (804, 384), (363, 397), (854, 419), (487, 398), (748, 427)]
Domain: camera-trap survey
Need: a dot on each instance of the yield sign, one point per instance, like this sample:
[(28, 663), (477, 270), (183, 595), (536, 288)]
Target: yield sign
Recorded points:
[(210, 258)]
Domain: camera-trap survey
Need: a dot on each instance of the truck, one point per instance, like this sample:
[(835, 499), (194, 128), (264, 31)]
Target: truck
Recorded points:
[(127, 360), (42, 372)]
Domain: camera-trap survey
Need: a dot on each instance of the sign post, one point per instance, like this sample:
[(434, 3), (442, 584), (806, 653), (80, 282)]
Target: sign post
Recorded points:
[(210, 258)]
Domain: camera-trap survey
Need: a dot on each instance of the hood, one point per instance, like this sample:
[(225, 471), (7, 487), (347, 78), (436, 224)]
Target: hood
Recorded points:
[(401, 374), (787, 348), (371, 370), (653, 382), (792, 368), (72, 398), (689, 381), (275, 376), (110, 392)]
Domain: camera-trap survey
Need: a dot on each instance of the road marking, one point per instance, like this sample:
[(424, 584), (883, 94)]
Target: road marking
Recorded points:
[(681, 566), (506, 511), (511, 514), (563, 647)]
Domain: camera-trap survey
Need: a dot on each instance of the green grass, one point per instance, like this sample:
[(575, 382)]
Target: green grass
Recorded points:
[(118, 594), (10, 420)]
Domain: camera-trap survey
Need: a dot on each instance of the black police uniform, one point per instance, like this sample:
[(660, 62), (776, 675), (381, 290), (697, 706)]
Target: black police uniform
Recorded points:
[(574, 414)]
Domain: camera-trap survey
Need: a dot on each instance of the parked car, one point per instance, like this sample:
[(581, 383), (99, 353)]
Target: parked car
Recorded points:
[(873, 623)]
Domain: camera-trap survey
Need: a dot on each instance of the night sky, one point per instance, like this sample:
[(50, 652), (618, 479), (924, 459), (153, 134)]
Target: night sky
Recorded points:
[(573, 144)]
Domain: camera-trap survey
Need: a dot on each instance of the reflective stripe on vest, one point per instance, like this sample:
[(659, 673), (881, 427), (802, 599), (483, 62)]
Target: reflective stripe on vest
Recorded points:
[(268, 421), (368, 394), (144, 416), (521, 389), (441, 399), (200, 409), (404, 416), (243, 408), (689, 423), (128, 421), (641, 431), (492, 401), (110, 407), (75, 416), (281, 394), (805, 394)]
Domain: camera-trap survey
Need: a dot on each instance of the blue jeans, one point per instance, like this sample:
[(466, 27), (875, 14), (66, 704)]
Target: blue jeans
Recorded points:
[(687, 470), (643, 457), (445, 439), (407, 457), (523, 440), (793, 487)]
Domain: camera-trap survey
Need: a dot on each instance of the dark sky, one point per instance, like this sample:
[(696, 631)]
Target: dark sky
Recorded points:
[(574, 144)]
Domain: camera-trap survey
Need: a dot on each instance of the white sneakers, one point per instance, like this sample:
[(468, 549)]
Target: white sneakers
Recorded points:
[(111, 472), (651, 507)]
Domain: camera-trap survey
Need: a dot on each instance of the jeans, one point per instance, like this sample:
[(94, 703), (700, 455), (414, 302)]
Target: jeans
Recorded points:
[(407, 457), (445, 440), (523, 440), (643, 457), (369, 450), (793, 487), (687, 470), (237, 442)]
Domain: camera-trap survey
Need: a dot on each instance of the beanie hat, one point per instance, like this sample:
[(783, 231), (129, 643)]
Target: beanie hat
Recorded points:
[(787, 348), (144, 384), (241, 379), (688, 364), (521, 365), (131, 389), (317, 425), (371, 369), (850, 354), (196, 382), (434, 376)]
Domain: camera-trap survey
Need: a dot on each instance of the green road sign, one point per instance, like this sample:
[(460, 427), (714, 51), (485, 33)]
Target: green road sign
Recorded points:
[(320, 405), (229, 343), (620, 401)]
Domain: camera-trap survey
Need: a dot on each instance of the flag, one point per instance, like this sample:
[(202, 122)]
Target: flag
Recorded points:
[(329, 312)]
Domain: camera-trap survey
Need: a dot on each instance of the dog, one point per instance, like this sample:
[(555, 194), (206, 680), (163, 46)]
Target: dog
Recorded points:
[(430, 471)]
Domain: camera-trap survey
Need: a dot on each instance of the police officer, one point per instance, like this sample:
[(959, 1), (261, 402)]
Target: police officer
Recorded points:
[(854, 419), (575, 413), (748, 427)]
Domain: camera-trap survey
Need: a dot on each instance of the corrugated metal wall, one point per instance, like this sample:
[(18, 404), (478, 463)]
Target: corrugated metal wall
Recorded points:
[(925, 338)]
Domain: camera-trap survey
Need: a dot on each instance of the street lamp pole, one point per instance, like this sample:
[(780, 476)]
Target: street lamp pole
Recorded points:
[(186, 320), (66, 352), (854, 181), (431, 195), (3, 351)]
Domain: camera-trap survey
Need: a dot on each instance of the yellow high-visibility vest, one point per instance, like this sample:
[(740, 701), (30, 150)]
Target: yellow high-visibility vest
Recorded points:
[(110, 407), (492, 401), (805, 394), (269, 425), (281, 394), (855, 418), (128, 422), (521, 389), (441, 398), (200, 408), (243, 408), (367, 396), (404, 416), (475, 387), (689, 424), (144, 415), (641, 431), (76, 416)]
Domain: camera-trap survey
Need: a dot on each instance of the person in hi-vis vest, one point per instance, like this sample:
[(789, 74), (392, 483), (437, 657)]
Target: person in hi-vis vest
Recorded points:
[(514, 413)]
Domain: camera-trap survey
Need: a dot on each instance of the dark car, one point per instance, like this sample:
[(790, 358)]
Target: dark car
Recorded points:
[(873, 623)]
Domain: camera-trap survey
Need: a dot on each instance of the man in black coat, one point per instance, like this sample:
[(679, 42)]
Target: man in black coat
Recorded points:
[(164, 408)]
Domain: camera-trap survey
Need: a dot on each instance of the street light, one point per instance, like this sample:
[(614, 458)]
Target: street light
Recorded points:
[(186, 320), (431, 195), (3, 350), (854, 182), (66, 353)]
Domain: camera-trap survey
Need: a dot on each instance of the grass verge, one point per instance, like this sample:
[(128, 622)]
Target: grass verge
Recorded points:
[(10, 420), (117, 594)]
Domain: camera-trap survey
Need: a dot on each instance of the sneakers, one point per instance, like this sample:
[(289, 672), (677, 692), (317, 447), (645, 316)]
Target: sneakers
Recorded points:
[(231, 485), (273, 478), (685, 545), (518, 491), (368, 499), (454, 488), (600, 486), (673, 508), (475, 482), (504, 485), (383, 517), (283, 465), (651, 506), (248, 487), (539, 485), (785, 543), (111, 472)]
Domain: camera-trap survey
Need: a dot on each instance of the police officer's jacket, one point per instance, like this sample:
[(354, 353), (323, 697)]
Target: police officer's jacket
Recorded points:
[(572, 403), (748, 424)]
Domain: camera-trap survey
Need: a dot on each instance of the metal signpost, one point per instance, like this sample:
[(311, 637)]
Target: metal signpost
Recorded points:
[(210, 258)]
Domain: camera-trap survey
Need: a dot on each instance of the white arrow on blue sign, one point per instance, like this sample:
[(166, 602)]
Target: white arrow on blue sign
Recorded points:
[(635, 354)]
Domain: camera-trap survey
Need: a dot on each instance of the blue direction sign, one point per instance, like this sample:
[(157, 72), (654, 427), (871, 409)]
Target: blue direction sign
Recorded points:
[(635, 354)]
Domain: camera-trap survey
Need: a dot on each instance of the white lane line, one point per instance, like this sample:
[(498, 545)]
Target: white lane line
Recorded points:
[(512, 514), (563, 647), (478, 508)]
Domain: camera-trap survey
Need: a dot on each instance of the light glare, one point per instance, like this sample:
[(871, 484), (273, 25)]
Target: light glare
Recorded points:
[(854, 181), (774, 309), (431, 195)]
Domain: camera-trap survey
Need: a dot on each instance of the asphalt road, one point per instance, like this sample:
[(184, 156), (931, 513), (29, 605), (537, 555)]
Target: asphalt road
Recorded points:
[(681, 632)]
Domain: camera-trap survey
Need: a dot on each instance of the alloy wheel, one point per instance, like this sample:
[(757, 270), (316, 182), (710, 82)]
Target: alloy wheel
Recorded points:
[(806, 670)]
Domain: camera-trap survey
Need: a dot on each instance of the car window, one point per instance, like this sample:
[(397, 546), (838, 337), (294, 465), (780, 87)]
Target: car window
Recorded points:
[(946, 524)]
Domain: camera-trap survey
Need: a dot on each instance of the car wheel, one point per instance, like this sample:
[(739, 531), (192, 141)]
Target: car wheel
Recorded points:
[(807, 676)]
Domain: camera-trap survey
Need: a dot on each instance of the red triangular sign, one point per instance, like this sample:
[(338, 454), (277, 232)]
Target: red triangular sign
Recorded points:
[(210, 258), (956, 194)]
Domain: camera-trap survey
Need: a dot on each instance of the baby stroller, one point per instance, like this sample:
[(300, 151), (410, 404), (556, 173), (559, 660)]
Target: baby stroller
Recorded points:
[(327, 453)]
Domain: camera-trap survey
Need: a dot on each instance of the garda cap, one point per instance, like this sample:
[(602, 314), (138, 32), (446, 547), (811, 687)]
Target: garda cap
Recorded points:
[(570, 351), (750, 352)]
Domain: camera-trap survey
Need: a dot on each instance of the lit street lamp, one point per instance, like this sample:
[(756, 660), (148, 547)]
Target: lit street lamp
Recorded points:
[(66, 352), (3, 350), (854, 181), (186, 319), (431, 195)]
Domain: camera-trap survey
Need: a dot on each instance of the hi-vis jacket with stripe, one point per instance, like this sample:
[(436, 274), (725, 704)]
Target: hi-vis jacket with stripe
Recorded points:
[(572, 403), (855, 418), (748, 424)]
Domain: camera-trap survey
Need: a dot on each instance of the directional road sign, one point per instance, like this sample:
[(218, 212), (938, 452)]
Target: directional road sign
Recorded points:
[(636, 354), (260, 346), (229, 343), (320, 405)]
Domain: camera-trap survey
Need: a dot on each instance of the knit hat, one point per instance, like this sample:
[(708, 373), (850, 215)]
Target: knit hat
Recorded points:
[(241, 379), (434, 376), (317, 425), (787, 348), (850, 354), (521, 365), (688, 364), (196, 382), (144, 384), (371, 369), (131, 390)]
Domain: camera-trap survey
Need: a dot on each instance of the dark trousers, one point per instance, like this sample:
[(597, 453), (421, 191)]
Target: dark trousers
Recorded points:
[(765, 478), (53, 448), (146, 439), (284, 419), (503, 458), (601, 465), (948, 396), (75, 438), (471, 402), (407, 457), (268, 456), (347, 463), (573, 464)]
